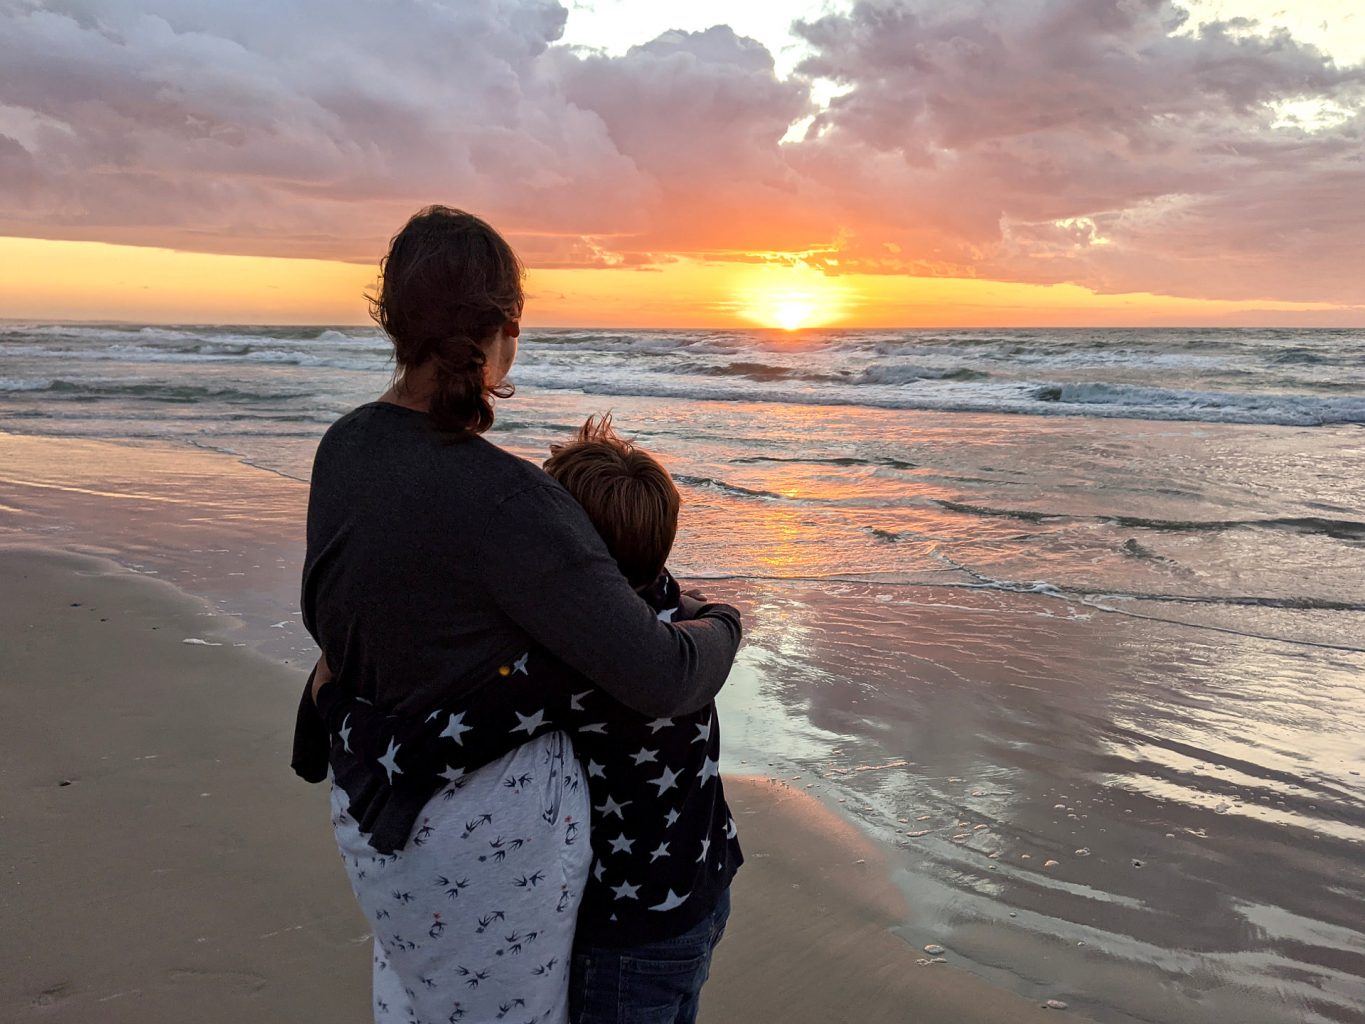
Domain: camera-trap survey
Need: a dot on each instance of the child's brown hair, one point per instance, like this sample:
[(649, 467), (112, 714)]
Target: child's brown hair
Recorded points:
[(627, 494)]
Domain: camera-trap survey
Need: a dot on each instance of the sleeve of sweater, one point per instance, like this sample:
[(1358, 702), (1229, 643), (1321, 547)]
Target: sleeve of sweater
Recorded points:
[(550, 573)]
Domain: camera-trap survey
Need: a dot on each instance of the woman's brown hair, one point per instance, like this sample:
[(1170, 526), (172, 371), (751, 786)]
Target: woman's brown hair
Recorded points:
[(448, 283), (627, 494)]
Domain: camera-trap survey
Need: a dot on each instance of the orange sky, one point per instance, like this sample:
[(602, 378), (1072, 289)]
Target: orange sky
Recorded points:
[(48, 280), (660, 163)]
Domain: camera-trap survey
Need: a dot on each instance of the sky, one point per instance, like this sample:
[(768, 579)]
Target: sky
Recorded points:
[(878, 162)]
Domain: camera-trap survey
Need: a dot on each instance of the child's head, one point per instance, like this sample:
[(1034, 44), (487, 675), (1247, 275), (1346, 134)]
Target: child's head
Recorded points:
[(627, 494)]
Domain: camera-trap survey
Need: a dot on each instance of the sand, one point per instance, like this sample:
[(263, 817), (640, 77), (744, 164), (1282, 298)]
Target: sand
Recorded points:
[(182, 873), (160, 861)]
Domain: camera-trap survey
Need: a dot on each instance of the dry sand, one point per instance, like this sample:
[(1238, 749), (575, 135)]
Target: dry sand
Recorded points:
[(161, 863)]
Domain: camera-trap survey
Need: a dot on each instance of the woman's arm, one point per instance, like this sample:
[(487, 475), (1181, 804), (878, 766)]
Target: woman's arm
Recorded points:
[(549, 572)]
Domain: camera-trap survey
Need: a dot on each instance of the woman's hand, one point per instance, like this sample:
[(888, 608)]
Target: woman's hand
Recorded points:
[(322, 675)]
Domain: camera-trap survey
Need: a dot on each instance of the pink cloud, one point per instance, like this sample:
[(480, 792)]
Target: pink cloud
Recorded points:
[(1093, 141)]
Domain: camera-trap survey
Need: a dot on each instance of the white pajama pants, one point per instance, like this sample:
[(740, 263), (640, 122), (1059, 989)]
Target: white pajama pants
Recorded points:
[(473, 919)]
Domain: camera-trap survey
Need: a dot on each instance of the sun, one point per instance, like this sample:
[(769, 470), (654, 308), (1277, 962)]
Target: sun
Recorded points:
[(789, 298), (793, 314), (791, 309)]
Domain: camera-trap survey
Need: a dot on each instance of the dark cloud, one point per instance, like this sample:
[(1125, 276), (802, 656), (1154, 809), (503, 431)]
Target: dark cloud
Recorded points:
[(1096, 141)]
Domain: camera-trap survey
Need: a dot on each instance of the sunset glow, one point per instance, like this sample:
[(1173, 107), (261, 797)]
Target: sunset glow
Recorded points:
[(94, 281), (842, 182)]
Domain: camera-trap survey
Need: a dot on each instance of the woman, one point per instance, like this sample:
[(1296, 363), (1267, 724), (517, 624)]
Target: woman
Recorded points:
[(433, 559)]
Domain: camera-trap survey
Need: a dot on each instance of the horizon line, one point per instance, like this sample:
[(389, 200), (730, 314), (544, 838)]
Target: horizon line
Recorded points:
[(744, 329)]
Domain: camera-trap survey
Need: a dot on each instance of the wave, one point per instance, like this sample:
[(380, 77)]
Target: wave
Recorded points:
[(753, 371), (171, 334), (979, 396), (734, 490), (323, 347), (1171, 403), (154, 392), (750, 493), (663, 342), (1337, 529), (1028, 515), (900, 373), (981, 581), (1298, 357), (837, 460), (20, 384), (931, 371), (359, 357)]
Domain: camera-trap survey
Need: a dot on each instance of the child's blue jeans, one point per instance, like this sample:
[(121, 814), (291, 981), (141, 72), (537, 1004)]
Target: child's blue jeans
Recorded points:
[(656, 983)]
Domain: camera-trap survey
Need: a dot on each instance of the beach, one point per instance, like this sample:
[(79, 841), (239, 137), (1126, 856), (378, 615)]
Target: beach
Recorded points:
[(1075, 697), (161, 861)]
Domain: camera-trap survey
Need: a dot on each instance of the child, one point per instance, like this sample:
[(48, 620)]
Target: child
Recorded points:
[(663, 841)]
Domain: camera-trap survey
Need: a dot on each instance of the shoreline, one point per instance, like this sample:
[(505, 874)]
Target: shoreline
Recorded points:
[(910, 717), (166, 863)]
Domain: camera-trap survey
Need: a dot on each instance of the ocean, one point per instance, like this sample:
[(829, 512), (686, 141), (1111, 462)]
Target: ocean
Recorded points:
[(1071, 620)]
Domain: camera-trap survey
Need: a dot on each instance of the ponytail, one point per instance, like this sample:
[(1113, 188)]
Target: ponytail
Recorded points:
[(462, 401), (449, 283)]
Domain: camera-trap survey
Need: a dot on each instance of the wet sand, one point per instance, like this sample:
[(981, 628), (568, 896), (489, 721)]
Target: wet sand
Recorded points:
[(981, 738), (810, 939), (162, 863)]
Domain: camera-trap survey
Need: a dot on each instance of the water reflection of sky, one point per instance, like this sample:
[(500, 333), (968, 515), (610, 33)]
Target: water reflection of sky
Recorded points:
[(1018, 734)]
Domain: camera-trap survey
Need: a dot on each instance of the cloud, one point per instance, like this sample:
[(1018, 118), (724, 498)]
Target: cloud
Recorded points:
[(1098, 141), (1093, 141), (304, 129), (701, 115)]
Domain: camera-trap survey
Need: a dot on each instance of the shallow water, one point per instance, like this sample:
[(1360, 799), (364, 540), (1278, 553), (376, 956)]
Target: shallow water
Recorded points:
[(1137, 636), (1195, 790)]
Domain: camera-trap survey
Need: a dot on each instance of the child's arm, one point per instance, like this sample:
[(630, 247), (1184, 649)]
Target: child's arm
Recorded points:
[(459, 737)]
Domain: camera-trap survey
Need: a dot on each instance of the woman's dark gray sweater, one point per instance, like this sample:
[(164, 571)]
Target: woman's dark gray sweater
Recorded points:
[(429, 564)]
